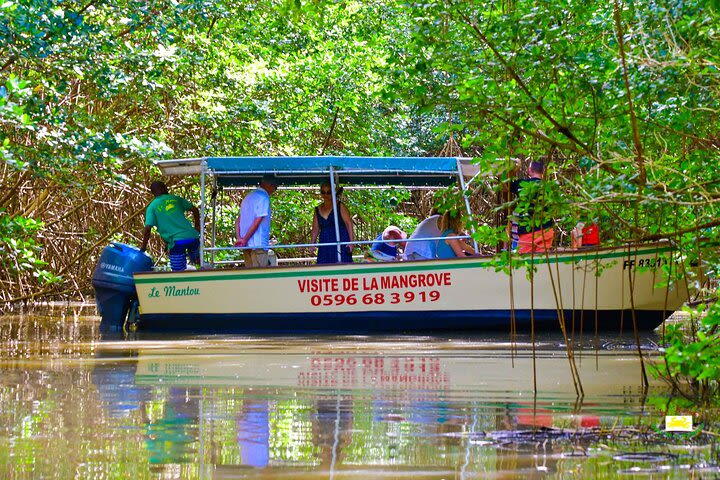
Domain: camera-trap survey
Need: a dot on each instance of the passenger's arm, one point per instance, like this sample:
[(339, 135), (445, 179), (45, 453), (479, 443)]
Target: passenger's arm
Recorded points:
[(315, 230), (146, 238), (345, 214), (196, 217), (459, 247), (242, 242)]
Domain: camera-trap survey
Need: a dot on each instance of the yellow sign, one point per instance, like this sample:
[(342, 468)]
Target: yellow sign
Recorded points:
[(678, 423)]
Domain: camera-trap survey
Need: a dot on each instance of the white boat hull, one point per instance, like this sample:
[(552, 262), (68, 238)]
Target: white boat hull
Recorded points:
[(459, 294)]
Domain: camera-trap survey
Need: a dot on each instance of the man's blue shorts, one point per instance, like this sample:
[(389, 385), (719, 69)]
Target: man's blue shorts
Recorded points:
[(177, 254)]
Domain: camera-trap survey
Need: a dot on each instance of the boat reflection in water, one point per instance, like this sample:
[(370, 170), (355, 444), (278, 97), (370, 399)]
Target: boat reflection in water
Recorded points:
[(363, 408)]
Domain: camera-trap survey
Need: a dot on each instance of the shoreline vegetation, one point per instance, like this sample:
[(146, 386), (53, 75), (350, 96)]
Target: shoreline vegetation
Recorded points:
[(620, 100)]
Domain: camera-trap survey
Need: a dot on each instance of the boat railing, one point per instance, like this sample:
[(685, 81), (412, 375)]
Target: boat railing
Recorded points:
[(311, 245), (284, 260)]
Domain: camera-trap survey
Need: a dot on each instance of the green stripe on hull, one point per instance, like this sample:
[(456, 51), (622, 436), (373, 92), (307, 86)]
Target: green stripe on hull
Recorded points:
[(200, 276)]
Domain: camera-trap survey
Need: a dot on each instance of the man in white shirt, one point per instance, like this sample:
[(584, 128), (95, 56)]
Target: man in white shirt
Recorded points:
[(253, 224)]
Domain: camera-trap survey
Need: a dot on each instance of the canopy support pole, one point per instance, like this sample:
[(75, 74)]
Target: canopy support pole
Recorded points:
[(203, 167), (214, 222), (463, 188), (335, 214)]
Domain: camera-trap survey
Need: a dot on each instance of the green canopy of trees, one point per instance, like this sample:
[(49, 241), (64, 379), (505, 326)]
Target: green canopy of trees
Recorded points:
[(621, 98)]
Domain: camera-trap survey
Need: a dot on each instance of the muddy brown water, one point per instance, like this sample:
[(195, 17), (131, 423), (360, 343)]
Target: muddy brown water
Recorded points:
[(75, 405)]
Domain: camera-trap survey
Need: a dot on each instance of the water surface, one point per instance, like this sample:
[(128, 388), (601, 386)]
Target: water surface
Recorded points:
[(73, 405)]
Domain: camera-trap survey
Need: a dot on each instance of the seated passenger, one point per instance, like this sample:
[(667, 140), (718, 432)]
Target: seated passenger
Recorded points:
[(453, 247), (384, 248), (424, 249)]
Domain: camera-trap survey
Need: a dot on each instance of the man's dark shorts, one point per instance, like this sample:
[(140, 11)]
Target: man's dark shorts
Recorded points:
[(177, 254)]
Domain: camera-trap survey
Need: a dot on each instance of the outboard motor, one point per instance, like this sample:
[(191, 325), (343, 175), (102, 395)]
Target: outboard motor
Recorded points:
[(114, 284)]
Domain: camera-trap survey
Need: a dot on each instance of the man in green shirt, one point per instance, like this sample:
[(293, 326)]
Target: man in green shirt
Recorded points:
[(167, 213)]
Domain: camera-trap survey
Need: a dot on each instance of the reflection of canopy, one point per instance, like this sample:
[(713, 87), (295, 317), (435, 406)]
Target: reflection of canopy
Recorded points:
[(247, 171)]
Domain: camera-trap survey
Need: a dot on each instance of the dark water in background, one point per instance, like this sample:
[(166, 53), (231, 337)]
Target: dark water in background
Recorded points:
[(73, 405)]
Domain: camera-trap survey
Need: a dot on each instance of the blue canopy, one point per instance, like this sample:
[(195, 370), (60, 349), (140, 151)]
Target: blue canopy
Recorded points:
[(351, 170), (247, 171)]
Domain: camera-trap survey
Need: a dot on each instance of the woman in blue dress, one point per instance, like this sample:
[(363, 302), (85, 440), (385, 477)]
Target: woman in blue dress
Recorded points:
[(323, 229)]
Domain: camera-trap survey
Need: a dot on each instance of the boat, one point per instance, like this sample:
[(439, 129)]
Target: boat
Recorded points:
[(601, 289)]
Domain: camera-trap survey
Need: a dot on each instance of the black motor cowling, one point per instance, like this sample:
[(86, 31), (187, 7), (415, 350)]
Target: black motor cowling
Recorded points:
[(114, 284)]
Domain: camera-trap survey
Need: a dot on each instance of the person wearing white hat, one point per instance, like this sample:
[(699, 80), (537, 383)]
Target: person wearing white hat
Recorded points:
[(385, 247)]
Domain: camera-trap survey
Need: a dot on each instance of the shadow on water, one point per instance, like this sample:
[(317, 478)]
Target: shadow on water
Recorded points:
[(452, 406)]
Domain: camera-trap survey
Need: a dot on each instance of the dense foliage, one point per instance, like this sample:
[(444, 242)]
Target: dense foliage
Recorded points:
[(690, 361), (622, 99), (93, 92)]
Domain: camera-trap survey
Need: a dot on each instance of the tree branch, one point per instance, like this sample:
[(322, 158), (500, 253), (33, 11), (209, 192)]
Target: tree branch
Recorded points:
[(642, 176), (564, 130), (79, 256), (330, 132)]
